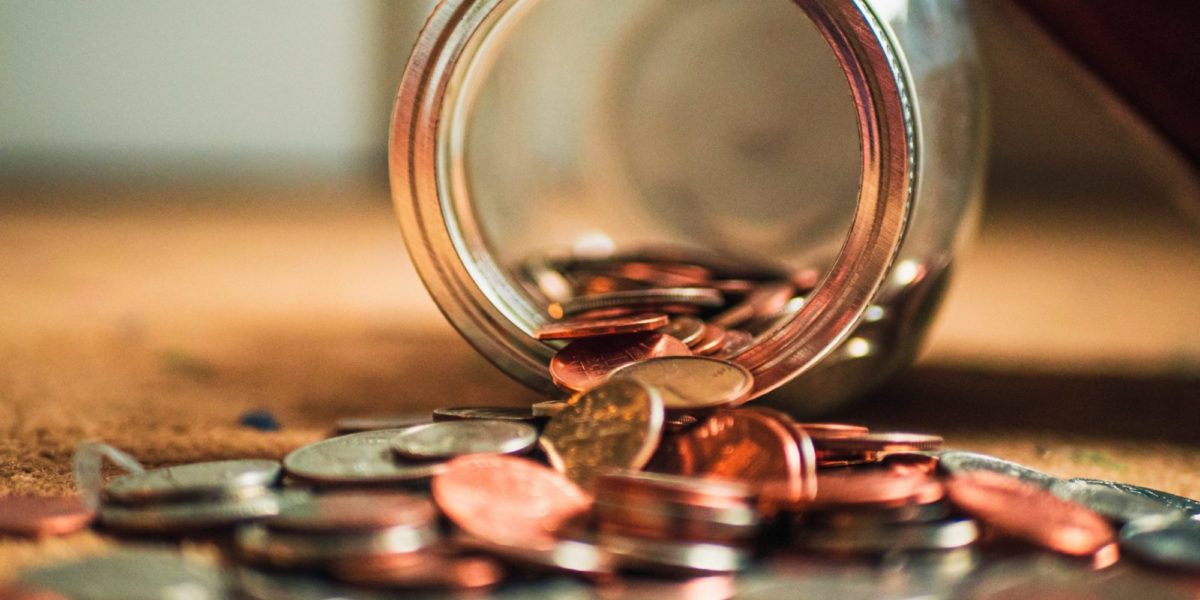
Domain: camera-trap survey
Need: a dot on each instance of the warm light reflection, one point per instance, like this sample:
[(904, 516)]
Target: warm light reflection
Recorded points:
[(857, 347)]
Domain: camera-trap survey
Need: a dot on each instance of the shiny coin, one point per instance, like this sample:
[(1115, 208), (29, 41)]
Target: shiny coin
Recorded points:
[(489, 413), (879, 442), (736, 342), (287, 549), (713, 340), (1118, 505), (616, 425), (569, 556), (193, 515), (1025, 511), (1166, 541), (956, 462), (876, 488), (584, 364), (193, 481), (358, 458), (688, 330), (690, 383), (506, 500), (672, 507), (548, 408), (434, 572), (344, 511), (35, 516), (904, 537), (674, 556), (131, 575), (581, 328), (360, 424), (1187, 505), (819, 431), (637, 298), (448, 439)]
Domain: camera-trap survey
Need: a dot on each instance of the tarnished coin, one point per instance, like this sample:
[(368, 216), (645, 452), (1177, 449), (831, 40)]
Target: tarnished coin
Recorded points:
[(507, 500), (616, 425), (131, 575), (1187, 505), (448, 439), (584, 364), (1164, 540), (690, 383), (360, 424), (688, 330), (193, 481), (1023, 510), (902, 537), (195, 514), (36, 516), (956, 462), (655, 298), (339, 512), (358, 458), (581, 328), (290, 549), (488, 413), (675, 556), (1116, 504)]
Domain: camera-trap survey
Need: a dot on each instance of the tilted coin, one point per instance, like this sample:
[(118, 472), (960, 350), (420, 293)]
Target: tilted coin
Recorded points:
[(36, 516), (1164, 540), (713, 340), (360, 424), (357, 458), (507, 500), (956, 462), (289, 549), (581, 328), (688, 330), (637, 298), (343, 511), (584, 364), (191, 481), (448, 439), (131, 575), (489, 413), (616, 425), (675, 556), (1119, 505), (902, 537), (692, 382), (1187, 505), (195, 514)]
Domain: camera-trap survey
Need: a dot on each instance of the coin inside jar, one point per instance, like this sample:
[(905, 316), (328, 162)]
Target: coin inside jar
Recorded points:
[(581, 328), (690, 383), (585, 363), (688, 330), (448, 439)]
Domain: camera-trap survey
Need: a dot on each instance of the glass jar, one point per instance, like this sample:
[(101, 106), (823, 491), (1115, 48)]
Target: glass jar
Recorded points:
[(838, 140)]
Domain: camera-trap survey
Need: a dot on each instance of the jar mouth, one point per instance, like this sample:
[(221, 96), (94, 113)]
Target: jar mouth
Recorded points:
[(478, 295)]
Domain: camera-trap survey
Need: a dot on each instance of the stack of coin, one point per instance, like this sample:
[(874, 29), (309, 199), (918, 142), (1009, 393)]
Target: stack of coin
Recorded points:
[(192, 497)]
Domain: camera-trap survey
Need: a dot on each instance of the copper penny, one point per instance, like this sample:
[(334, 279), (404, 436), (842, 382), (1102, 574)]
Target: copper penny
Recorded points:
[(615, 425), (910, 462), (581, 328), (765, 300), (879, 442), (585, 363), (507, 500), (821, 431), (714, 338), (33, 516), (688, 330), (692, 383), (740, 445), (1021, 510), (876, 488), (646, 298), (736, 341), (354, 511)]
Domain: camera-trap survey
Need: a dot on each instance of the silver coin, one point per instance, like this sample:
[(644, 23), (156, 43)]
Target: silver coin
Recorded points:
[(691, 382), (358, 458), (1116, 504), (360, 424), (675, 556), (904, 537), (1164, 540), (286, 549), (548, 408), (448, 439), (688, 330), (191, 481), (193, 515), (639, 298), (570, 556), (957, 462), (131, 575), (1187, 505), (490, 413)]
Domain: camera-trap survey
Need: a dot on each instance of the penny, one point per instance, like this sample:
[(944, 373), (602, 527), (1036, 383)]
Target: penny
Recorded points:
[(436, 572), (1118, 505), (1166, 541), (357, 458), (192, 515), (1023, 510), (876, 488), (690, 383), (36, 516), (616, 425), (956, 462), (192, 481), (507, 500), (131, 575), (675, 556), (699, 297), (766, 299), (713, 340), (736, 342), (289, 549), (907, 537), (548, 408), (353, 511), (1187, 505), (489, 413), (910, 462), (448, 439), (879, 442), (360, 424), (688, 330), (672, 507), (818, 431), (569, 556), (740, 445), (582, 328), (585, 363), (661, 275)]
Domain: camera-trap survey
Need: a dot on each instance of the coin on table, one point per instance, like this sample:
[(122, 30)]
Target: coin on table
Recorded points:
[(901, 537), (656, 298), (957, 462), (879, 442), (192, 481), (359, 424), (448, 439), (344, 511), (616, 425), (507, 500), (36, 516), (581, 328), (488, 413), (675, 556), (1023, 510), (688, 330), (584, 364), (690, 383), (357, 458), (1187, 505), (1119, 505), (131, 575), (193, 515), (663, 506), (1164, 540)]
